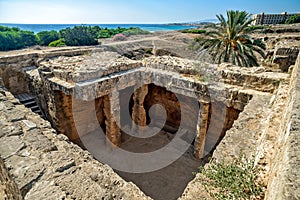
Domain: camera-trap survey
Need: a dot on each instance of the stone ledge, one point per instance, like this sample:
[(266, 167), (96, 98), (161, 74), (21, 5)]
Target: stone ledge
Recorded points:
[(254, 78)]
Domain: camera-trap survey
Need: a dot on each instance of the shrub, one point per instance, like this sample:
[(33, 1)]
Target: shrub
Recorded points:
[(27, 39), (45, 37), (93, 30), (57, 43), (5, 28), (149, 50), (78, 36), (293, 19), (252, 28), (108, 33), (194, 31), (236, 180), (14, 38), (104, 33), (119, 37), (135, 31)]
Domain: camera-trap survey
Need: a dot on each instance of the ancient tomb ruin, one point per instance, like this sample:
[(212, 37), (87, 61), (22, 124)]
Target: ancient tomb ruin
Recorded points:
[(110, 105)]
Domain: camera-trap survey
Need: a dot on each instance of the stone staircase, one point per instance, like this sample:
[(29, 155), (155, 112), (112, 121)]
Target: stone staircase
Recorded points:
[(29, 101)]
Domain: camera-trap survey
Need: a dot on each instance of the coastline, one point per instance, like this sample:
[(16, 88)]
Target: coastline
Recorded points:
[(148, 27)]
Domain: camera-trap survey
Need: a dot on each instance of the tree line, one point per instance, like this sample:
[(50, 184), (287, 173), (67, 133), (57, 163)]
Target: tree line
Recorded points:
[(14, 38)]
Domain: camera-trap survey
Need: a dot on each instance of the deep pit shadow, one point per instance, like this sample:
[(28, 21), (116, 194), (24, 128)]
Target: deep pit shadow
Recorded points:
[(166, 183)]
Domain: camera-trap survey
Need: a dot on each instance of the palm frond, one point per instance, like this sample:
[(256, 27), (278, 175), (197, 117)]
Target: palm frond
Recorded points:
[(230, 42)]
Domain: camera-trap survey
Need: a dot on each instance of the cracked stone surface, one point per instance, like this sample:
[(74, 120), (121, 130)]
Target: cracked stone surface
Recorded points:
[(45, 165), (10, 146)]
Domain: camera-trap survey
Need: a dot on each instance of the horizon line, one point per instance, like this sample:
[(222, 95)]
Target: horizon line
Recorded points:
[(85, 23), (107, 23)]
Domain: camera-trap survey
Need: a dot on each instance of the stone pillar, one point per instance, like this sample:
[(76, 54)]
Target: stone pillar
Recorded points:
[(202, 126), (138, 110), (112, 115)]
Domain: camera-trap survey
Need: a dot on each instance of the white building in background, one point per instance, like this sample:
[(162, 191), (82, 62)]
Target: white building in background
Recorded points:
[(271, 18)]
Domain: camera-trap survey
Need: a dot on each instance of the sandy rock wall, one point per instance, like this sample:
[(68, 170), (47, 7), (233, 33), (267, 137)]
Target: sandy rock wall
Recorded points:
[(284, 182), (255, 78), (47, 165), (12, 66), (12, 73), (62, 115), (286, 55), (8, 188)]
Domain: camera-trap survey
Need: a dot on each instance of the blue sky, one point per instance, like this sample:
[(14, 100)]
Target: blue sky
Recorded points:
[(131, 11)]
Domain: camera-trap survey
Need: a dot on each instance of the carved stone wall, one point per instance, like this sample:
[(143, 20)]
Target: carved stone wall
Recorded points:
[(12, 66), (47, 165), (284, 181), (8, 188), (159, 95), (285, 55), (12, 73), (63, 115)]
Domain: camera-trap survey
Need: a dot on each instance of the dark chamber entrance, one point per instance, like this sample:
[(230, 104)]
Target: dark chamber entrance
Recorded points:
[(169, 182)]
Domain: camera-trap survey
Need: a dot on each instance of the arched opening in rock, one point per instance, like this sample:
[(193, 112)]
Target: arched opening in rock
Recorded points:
[(168, 100), (168, 182), (126, 105)]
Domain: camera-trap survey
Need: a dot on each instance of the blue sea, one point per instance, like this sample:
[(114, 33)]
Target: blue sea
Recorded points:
[(48, 27)]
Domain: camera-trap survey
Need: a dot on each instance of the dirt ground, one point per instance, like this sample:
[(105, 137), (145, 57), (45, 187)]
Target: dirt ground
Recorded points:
[(166, 183)]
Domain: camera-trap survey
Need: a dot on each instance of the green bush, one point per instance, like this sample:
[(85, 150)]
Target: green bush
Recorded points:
[(93, 30), (45, 37), (5, 28), (105, 33), (109, 33), (293, 19), (27, 39), (14, 38), (57, 43), (78, 36), (194, 31), (235, 180), (252, 28), (135, 31)]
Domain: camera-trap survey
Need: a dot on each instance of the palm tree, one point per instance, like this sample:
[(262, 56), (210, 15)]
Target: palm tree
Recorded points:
[(230, 41)]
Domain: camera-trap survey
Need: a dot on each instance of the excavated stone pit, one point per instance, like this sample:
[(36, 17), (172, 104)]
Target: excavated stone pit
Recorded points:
[(135, 87), (217, 118), (87, 91), (138, 103)]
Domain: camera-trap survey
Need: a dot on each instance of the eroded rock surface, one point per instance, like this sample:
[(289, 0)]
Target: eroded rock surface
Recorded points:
[(46, 165), (8, 188), (286, 54)]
